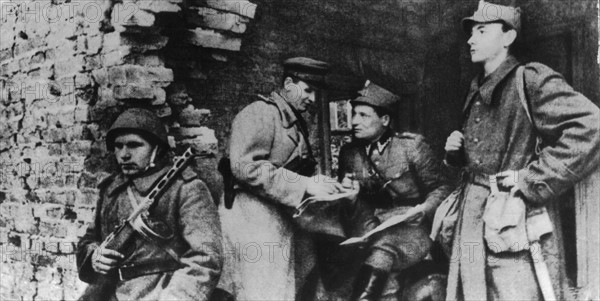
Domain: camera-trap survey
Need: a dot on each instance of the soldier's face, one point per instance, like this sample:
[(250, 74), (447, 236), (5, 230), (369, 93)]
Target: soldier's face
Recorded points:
[(487, 42), (366, 124), (300, 95), (133, 153)]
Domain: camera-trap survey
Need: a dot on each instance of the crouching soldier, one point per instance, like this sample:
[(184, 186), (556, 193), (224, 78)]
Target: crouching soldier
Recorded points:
[(179, 255), (396, 172)]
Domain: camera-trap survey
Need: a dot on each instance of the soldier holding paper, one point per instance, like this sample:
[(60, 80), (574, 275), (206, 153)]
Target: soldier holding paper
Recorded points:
[(396, 172)]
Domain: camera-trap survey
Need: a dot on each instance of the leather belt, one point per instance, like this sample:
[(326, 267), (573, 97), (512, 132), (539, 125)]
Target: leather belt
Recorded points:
[(133, 270)]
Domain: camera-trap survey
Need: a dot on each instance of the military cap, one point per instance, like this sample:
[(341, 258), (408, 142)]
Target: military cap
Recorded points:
[(138, 121), (488, 12), (307, 70), (376, 96)]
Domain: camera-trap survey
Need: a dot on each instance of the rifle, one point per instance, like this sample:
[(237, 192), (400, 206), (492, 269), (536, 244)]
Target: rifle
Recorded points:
[(120, 239)]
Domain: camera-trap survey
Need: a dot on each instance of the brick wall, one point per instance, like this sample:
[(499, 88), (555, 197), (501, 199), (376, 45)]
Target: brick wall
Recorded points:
[(67, 71)]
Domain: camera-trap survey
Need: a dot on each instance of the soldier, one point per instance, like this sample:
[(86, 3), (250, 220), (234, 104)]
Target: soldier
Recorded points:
[(186, 263), (395, 172), (268, 257), (497, 138)]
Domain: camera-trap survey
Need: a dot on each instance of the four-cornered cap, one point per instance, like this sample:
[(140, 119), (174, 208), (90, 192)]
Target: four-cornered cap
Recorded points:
[(307, 70), (138, 121), (488, 12), (376, 96)]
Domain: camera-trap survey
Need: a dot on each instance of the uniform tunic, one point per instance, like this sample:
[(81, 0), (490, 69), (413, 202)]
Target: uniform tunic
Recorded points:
[(261, 243), (499, 137), (417, 178), (187, 208)]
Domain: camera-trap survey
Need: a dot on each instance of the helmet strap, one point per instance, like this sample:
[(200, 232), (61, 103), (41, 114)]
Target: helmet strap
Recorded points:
[(152, 157)]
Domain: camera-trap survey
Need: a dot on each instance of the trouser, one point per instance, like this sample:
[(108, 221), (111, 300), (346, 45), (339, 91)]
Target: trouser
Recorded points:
[(399, 247), (391, 250)]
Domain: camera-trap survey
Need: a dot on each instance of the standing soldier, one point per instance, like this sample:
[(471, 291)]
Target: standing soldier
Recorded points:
[(268, 257), (182, 262), (396, 172), (497, 138)]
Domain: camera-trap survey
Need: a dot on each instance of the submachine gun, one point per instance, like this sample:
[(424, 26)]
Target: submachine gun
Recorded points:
[(139, 221)]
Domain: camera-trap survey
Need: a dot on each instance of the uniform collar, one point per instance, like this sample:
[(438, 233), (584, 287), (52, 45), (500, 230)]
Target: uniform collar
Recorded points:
[(288, 117), (380, 144), (489, 83), (142, 184)]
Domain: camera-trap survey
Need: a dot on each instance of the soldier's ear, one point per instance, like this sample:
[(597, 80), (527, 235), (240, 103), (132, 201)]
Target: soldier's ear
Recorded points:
[(509, 37), (287, 81), (386, 120)]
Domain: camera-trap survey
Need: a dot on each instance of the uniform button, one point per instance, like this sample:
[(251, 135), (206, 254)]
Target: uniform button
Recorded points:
[(475, 140), (478, 120), (477, 103), (376, 162)]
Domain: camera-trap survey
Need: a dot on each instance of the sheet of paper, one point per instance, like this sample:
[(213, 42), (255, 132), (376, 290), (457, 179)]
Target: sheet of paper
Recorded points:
[(392, 221)]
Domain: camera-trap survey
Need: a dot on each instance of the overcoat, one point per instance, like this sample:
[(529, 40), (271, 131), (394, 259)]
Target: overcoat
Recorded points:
[(186, 207), (261, 243), (498, 136)]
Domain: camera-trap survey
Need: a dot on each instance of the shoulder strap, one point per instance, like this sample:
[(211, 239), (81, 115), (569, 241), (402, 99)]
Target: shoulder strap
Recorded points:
[(521, 91), (523, 99)]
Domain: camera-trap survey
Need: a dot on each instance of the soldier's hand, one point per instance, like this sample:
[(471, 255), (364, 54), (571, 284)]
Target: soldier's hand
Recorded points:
[(349, 182), (508, 179), (104, 260), (320, 185), (454, 141)]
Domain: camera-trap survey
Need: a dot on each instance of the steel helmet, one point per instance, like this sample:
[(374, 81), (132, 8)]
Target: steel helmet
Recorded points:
[(138, 121)]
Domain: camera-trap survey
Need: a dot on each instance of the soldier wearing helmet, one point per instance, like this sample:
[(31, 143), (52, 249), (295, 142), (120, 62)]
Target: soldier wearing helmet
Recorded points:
[(396, 173), (184, 263)]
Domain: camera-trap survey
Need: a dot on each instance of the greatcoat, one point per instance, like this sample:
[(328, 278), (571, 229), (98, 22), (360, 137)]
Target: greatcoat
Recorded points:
[(187, 208), (261, 243), (498, 136)]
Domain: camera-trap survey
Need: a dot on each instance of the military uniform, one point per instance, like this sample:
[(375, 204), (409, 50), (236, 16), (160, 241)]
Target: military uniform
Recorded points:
[(415, 174), (267, 256), (188, 209), (184, 267), (395, 173), (497, 137)]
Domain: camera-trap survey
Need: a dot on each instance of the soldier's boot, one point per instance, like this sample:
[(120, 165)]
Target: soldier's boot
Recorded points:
[(369, 284)]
